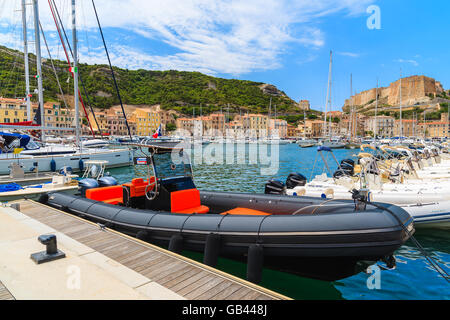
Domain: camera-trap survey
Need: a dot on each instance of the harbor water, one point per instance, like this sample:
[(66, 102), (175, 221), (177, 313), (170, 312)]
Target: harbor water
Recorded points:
[(413, 277)]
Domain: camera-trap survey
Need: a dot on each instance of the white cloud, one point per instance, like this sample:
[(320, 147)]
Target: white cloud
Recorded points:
[(410, 61), (349, 54), (230, 36)]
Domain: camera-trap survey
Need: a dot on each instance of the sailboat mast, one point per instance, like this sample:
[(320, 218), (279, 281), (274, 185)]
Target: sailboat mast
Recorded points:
[(401, 122), (376, 109), (75, 73), (328, 96), (350, 120), (25, 55), (39, 64), (304, 124)]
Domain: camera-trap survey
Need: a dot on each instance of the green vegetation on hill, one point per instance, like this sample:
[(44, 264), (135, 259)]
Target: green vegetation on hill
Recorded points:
[(176, 90)]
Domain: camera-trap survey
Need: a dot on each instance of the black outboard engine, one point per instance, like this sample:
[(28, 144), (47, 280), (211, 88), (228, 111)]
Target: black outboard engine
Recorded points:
[(294, 180), (348, 161), (85, 184), (345, 170), (275, 187), (107, 182)]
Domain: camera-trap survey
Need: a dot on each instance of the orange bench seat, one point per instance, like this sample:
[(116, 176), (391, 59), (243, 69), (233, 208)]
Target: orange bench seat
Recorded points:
[(246, 211), (187, 201), (111, 195)]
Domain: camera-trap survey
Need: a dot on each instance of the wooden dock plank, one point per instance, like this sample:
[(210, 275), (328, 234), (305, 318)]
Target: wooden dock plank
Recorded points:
[(4, 293), (188, 278), (204, 288), (227, 292), (210, 293)]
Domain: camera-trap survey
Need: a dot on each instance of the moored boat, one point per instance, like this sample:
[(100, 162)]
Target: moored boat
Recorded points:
[(167, 205)]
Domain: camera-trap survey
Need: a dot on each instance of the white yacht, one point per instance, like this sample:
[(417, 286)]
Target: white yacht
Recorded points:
[(32, 156)]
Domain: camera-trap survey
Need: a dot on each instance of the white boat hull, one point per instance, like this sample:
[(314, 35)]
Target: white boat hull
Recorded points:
[(115, 158)]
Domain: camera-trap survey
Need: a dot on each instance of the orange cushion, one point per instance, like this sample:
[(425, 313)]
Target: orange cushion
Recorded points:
[(246, 211), (199, 209), (137, 186), (187, 201), (113, 201), (104, 194)]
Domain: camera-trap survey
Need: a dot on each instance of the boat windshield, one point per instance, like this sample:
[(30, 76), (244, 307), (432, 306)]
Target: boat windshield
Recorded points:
[(32, 145), (172, 164)]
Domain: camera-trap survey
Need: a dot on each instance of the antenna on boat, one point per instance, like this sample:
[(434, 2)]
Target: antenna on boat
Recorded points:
[(39, 64), (25, 54)]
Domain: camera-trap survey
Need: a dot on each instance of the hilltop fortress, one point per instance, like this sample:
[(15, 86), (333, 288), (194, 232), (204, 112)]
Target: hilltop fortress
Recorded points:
[(415, 90)]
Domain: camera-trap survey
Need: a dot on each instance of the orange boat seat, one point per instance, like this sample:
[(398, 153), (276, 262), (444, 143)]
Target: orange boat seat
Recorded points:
[(138, 185), (111, 195), (187, 201), (246, 211)]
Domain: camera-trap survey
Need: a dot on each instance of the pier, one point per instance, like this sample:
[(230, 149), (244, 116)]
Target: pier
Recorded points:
[(101, 263)]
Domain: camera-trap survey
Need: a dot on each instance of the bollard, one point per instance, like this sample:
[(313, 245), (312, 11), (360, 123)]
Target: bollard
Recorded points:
[(255, 259), (51, 253), (212, 249), (176, 243)]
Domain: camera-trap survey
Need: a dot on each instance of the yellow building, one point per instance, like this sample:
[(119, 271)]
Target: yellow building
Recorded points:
[(13, 110), (147, 121), (256, 123)]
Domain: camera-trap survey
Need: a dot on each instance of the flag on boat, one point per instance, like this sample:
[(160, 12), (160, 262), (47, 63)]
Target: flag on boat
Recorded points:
[(157, 133), (141, 161)]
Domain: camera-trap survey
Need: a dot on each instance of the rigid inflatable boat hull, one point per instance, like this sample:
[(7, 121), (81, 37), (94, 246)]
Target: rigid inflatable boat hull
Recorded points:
[(333, 234)]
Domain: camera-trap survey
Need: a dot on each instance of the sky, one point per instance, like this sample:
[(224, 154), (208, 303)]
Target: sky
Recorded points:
[(281, 42)]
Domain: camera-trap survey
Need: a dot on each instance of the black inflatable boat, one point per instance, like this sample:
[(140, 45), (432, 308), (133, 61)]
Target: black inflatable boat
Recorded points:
[(167, 209)]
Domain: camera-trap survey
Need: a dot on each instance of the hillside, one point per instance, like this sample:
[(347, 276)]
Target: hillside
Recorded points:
[(176, 90)]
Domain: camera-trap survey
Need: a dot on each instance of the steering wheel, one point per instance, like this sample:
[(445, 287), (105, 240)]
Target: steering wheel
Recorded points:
[(151, 194)]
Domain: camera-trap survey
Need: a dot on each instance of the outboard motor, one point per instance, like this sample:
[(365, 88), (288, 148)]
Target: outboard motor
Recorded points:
[(275, 187), (350, 162), (294, 180), (66, 170), (85, 184), (107, 181), (345, 170)]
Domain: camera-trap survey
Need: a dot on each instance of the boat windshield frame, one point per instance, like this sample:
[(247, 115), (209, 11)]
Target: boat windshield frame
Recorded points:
[(179, 166)]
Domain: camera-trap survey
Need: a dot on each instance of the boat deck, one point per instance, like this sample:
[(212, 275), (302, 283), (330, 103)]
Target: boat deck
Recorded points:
[(110, 265)]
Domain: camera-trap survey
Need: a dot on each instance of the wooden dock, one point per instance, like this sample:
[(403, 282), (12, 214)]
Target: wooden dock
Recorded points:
[(148, 271)]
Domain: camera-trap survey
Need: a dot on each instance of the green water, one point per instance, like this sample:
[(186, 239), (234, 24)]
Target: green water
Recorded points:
[(413, 278)]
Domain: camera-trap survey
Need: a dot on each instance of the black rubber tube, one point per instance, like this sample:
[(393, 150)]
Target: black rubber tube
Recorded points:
[(176, 243), (212, 249), (255, 261)]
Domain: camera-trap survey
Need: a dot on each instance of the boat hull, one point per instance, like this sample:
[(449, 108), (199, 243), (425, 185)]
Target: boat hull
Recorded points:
[(115, 158), (344, 235)]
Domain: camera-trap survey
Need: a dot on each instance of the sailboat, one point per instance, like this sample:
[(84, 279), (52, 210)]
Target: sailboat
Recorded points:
[(332, 143), (52, 157)]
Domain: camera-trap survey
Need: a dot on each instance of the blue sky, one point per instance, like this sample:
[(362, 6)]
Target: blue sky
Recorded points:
[(285, 43)]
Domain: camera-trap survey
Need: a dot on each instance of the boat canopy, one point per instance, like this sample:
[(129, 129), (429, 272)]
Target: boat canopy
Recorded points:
[(10, 139)]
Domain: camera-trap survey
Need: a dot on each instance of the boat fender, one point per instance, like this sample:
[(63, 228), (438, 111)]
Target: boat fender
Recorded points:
[(53, 165), (81, 164), (255, 260), (176, 243), (212, 249), (43, 198), (142, 235)]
